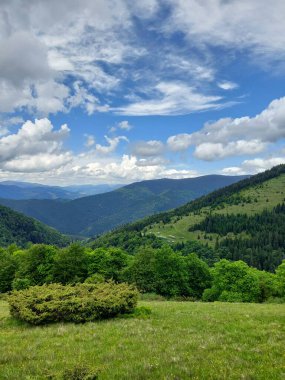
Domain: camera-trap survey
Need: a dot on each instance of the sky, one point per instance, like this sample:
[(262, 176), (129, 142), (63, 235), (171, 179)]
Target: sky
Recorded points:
[(118, 91)]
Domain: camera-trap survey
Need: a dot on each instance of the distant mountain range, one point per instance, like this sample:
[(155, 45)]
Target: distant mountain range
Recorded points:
[(26, 190), (96, 214)]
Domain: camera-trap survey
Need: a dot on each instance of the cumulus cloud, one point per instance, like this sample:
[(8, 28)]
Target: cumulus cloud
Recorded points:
[(179, 142), (128, 168), (257, 165), (227, 85), (148, 148), (227, 137), (113, 143), (123, 125), (217, 151), (35, 147)]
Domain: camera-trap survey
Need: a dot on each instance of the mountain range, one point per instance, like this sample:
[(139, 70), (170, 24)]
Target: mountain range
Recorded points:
[(25, 190), (96, 214)]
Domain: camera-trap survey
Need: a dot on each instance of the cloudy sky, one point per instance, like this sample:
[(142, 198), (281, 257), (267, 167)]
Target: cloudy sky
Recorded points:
[(116, 91)]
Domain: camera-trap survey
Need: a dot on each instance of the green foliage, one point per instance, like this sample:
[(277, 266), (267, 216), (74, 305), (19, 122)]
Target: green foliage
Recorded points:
[(80, 303), (233, 282), (280, 273), (7, 271), (36, 263), (21, 283), (199, 277), (70, 265), (167, 273), (110, 263)]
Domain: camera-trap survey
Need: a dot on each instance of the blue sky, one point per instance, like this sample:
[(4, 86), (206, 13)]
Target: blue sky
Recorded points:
[(116, 91)]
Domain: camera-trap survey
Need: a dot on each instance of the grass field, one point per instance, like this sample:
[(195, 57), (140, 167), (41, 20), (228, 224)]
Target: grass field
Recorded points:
[(266, 195), (178, 341)]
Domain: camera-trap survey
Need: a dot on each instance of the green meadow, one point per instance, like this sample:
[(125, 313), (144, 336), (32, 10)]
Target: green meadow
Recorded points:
[(179, 340)]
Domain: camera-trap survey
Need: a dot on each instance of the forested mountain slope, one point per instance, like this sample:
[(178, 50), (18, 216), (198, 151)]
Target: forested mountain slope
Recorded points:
[(93, 215), (244, 221), (16, 228)]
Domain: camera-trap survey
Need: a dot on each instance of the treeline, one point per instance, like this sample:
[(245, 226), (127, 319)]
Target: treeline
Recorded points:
[(263, 246), (153, 270)]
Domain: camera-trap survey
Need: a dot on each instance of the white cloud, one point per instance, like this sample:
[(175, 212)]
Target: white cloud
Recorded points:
[(171, 98), (148, 148), (227, 137), (125, 125), (128, 169), (35, 147), (227, 85), (113, 143), (216, 151), (41, 162), (90, 140), (179, 142), (257, 165), (256, 25)]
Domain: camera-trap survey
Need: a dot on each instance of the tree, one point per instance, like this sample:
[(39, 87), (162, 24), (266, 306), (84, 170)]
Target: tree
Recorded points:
[(233, 282), (36, 263), (70, 265), (7, 271), (198, 272), (108, 262)]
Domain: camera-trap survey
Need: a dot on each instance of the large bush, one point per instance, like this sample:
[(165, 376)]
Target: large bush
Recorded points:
[(79, 303)]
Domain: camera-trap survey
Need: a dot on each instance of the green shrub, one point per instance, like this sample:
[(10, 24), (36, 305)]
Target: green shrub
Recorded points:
[(80, 373), (21, 283), (79, 303)]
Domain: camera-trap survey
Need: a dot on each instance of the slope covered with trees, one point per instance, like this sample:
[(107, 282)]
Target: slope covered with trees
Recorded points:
[(244, 221), (93, 215), (16, 228)]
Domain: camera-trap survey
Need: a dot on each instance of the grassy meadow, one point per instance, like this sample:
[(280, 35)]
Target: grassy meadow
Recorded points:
[(180, 340), (270, 193)]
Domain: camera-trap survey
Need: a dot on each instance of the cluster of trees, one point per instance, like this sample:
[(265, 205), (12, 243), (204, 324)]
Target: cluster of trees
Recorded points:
[(153, 270), (264, 244)]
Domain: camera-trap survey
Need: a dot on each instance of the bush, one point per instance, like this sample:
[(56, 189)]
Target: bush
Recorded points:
[(80, 303)]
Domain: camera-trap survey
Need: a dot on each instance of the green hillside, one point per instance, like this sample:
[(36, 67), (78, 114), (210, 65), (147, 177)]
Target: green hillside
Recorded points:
[(243, 221), (250, 201), (19, 229)]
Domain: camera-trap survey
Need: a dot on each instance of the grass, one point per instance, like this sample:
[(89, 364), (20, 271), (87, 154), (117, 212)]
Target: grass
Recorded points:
[(266, 195), (179, 341)]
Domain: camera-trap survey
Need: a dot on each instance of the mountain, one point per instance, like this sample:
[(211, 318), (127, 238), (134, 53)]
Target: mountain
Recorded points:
[(243, 221), (25, 190), (93, 215), (85, 190), (19, 229)]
